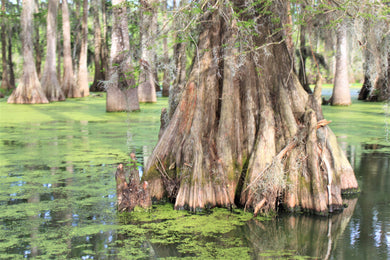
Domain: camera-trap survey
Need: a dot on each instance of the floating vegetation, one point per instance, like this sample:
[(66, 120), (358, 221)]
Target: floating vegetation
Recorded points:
[(57, 190)]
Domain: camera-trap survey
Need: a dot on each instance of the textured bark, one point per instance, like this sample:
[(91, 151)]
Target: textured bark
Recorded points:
[(97, 85), (82, 76), (341, 95), (148, 25), (50, 84), (29, 89), (376, 86), (131, 193), (69, 86), (247, 134), (122, 94)]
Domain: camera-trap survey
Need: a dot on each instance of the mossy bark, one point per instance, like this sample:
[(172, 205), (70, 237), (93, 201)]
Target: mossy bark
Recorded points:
[(245, 132), (122, 95)]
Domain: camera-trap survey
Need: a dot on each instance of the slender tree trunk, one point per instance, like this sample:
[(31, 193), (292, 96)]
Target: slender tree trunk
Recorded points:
[(302, 55), (180, 56), (77, 38), (5, 84), (68, 82), (50, 84), (247, 137), (148, 23), (37, 44), (82, 76), (166, 77), (29, 89), (99, 75), (59, 54), (341, 95), (288, 30), (11, 62), (104, 45), (122, 94)]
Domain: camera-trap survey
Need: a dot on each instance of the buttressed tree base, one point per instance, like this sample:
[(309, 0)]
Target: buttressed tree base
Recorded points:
[(245, 133)]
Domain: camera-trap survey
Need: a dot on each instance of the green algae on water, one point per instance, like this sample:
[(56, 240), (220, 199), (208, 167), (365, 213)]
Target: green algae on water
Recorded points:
[(202, 236)]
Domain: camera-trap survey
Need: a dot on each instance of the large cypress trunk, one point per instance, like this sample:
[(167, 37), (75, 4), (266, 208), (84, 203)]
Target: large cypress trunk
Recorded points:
[(245, 132), (122, 94), (29, 90)]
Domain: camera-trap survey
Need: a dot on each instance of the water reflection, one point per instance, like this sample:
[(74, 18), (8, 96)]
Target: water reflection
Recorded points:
[(57, 200), (368, 233)]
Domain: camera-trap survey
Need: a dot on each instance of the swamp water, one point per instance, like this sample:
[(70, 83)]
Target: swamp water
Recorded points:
[(57, 192)]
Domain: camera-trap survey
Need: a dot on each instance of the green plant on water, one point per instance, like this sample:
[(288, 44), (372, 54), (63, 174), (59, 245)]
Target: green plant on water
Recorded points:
[(191, 234), (57, 187)]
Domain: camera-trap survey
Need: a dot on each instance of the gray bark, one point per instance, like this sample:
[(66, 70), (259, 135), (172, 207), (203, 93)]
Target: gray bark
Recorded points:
[(341, 94), (29, 89), (82, 76), (148, 27), (68, 82), (50, 84), (122, 94)]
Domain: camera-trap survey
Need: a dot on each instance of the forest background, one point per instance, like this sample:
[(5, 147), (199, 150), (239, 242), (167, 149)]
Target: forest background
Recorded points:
[(163, 37)]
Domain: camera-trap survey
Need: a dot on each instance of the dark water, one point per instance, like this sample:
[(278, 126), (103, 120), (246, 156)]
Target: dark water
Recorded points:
[(57, 192)]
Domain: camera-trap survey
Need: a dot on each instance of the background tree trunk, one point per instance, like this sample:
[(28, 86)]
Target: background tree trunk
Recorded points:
[(180, 57), (68, 82), (376, 67), (166, 66), (29, 89), (37, 43), (5, 84), (104, 50), (50, 84), (97, 86), (239, 135), (10, 61), (148, 25), (341, 95), (302, 56), (59, 50), (122, 94), (82, 76)]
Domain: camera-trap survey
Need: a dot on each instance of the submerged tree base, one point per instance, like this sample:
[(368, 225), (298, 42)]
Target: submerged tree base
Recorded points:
[(245, 133)]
